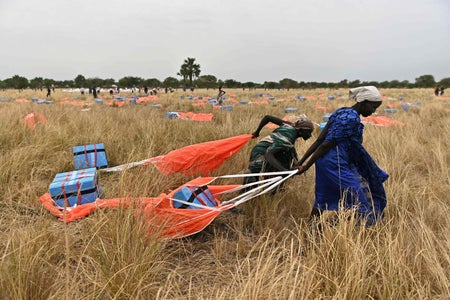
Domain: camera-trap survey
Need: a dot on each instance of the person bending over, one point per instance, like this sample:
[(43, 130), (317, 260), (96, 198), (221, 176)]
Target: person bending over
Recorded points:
[(276, 152)]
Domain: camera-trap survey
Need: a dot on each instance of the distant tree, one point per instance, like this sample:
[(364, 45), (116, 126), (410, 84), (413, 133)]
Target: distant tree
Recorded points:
[(17, 82), (322, 85), (130, 81), (425, 81), (184, 74), (394, 84), (312, 85), (354, 83), (232, 84), (302, 85), (374, 83), (171, 82), (94, 82), (109, 82), (271, 84), (152, 82), (207, 81), (445, 82), (249, 85), (332, 85), (80, 81), (65, 83), (48, 82), (190, 70), (288, 83), (343, 83), (36, 82), (404, 84), (383, 84)]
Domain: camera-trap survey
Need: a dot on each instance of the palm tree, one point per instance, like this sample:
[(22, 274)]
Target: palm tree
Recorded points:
[(183, 73), (189, 69)]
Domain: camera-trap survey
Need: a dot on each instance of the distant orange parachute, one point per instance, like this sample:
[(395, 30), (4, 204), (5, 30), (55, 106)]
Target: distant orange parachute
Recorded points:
[(196, 116), (31, 119), (382, 120), (322, 108)]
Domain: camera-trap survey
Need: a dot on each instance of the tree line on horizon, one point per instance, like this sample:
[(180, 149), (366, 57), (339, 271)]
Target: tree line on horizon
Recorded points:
[(191, 79)]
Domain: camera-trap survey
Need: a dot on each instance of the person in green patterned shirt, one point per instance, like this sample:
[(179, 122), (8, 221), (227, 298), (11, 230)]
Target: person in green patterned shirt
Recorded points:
[(276, 152)]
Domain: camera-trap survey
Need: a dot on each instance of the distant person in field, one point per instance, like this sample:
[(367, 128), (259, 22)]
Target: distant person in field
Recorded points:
[(346, 175), (276, 152), (437, 90), (220, 95), (49, 91), (94, 92)]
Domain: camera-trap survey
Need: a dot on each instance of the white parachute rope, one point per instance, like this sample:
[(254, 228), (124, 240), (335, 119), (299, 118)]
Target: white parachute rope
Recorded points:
[(252, 183), (271, 182), (256, 174), (245, 186), (124, 166), (252, 193), (267, 182)]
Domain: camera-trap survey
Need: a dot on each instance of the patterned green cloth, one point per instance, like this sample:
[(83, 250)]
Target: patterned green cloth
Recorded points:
[(283, 138)]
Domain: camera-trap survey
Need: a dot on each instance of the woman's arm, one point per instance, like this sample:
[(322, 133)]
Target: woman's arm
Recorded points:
[(265, 121), (321, 151), (270, 157), (314, 146)]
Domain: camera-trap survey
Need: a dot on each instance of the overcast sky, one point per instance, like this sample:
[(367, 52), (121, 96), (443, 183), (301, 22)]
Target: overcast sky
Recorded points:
[(245, 40)]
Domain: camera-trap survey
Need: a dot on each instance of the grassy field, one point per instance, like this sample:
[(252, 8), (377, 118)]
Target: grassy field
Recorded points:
[(267, 253)]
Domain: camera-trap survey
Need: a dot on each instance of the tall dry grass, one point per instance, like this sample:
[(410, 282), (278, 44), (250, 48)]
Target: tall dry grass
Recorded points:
[(268, 253)]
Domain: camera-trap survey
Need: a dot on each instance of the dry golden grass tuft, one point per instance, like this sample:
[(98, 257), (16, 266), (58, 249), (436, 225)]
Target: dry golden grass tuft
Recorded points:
[(268, 253)]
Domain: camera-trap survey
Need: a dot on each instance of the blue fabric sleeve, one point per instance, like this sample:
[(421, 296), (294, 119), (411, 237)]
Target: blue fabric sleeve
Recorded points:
[(344, 125)]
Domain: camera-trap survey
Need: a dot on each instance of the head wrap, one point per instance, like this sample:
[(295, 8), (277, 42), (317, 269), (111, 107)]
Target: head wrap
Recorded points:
[(304, 123), (369, 93)]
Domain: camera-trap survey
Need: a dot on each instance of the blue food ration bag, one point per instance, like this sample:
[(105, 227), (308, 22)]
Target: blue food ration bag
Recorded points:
[(74, 188), (200, 195), (89, 156)]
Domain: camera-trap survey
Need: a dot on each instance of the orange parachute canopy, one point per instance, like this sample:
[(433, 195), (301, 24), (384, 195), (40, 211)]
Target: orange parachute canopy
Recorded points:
[(199, 159), (196, 159), (31, 119), (159, 213), (185, 211)]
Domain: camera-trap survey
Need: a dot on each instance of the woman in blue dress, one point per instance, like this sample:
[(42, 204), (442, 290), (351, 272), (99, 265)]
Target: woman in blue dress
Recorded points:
[(346, 175)]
